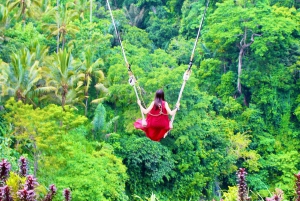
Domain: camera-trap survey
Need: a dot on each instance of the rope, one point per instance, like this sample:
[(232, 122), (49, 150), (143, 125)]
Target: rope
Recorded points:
[(118, 35), (187, 73), (140, 92), (186, 76), (143, 116), (198, 35), (132, 79)]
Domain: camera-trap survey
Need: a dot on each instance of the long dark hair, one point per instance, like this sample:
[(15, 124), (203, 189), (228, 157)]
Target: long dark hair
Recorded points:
[(159, 97)]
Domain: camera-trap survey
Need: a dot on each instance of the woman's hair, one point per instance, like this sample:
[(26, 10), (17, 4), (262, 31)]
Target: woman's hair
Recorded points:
[(159, 97)]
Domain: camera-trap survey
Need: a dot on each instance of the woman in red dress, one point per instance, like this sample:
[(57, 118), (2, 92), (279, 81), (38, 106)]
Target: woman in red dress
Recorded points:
[(157, 121)]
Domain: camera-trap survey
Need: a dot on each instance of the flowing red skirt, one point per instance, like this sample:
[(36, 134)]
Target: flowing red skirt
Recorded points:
[(157, 126)]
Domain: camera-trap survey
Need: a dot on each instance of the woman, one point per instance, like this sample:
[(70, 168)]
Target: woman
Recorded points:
[(157, 121)]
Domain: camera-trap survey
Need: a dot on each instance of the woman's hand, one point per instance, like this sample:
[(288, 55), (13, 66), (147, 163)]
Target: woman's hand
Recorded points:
[(177, 105), (139, 102)]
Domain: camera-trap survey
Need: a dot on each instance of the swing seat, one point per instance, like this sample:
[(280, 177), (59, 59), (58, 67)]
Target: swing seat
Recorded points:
[(158, 124)]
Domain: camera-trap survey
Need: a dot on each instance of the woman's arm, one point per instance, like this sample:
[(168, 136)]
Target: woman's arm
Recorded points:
[(145, 111), (171, 112)]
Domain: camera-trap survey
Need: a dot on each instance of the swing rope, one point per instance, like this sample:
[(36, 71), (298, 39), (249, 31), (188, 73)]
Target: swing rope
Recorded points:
[(119, 38), (187, 73), (132, 79)]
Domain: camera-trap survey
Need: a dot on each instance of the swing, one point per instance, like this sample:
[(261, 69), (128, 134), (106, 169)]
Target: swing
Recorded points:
[(132, 81)]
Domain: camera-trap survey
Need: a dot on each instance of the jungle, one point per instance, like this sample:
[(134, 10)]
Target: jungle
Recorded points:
[(67, 109)]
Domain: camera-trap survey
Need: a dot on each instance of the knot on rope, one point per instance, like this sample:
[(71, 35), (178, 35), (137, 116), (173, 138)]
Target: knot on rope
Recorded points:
[(131, 80), (129, 67), (186, 75), (190, 65)]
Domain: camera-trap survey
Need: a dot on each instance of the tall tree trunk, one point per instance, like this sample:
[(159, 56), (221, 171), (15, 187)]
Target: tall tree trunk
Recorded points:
[(86, 103), (57, 45), (63, 41), (24, 24), (243, 45), (23, 14), (224, 66), (63, 96), (57, 4), (19, 95), (86, 92), (91, 10), (239, 86)]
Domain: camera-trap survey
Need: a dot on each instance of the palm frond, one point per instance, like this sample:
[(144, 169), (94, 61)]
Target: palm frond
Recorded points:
[(98, 100), (44, 90), (99, 122), (100, 75), (111, 122), (101, 87)]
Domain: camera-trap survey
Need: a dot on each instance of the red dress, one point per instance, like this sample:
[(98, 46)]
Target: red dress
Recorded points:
[(157, 123)]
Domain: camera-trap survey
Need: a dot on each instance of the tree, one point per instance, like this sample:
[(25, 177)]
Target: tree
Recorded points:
[(63, 156), (62, 74), (63, 25), (93, 36), (285, 3), (243, 25), (19, 78), (26, 8), (180, 48), (18, 37), (244, 21), (4, 21), (80, 7), (161, 27), (91, 70), (34, 128), (242, 46), (91, 170), (192, 12), (150, 164), (100, 125), (137, 37), (175, 6), (135, 15), (39, 51)]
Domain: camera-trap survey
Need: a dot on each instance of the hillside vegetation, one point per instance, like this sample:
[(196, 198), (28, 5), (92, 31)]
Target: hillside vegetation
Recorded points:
[(66, 104)]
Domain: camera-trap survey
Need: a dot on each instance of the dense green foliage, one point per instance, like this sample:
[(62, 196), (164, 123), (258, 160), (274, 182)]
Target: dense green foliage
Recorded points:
[(66, 104)]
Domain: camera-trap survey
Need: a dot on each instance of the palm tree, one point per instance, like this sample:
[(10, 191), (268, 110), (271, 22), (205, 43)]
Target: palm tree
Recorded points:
[(3, 78), (4, 21), (45, 6), (90, 70), (134, 14), (62, 73), (80, 6), (63, 24), (40, 52), (19, 78), (26, 8)]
